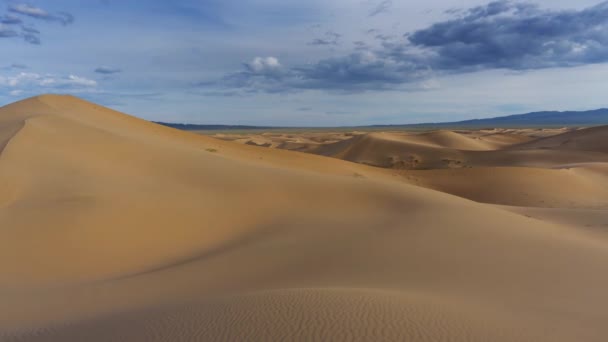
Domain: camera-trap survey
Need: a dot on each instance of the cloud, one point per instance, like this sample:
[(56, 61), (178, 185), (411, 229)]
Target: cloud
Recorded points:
[(10, 19), (28, 33), (31, 38), (264, 65), (30, 80), (382, 7), (499, 35), (262, 74), (106, 70), (7, 31), (72, 80), (330, 38), (63, 18), (14, 66), (519, 36), (321, 41), (357, 72), (29, 30), (384, 37), (361, 45)]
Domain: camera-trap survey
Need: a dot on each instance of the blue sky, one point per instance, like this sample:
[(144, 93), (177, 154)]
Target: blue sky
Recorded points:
[(311, 63)]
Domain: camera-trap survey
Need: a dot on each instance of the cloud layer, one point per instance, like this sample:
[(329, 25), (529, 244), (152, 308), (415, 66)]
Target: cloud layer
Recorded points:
[(499, 35), (510, 35)]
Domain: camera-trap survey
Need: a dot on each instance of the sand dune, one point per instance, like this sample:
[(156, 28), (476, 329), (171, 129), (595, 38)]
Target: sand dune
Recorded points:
[(116, 229), (519, 186), (595, 221), (590, 139), (453, 140), (399, 151), (539, 148)]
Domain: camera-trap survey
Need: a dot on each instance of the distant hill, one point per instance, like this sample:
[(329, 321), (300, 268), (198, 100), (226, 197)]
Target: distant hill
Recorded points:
[(545, 118), (195, 127)]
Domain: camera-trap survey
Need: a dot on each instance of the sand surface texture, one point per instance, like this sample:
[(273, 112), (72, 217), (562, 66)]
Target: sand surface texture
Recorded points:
[(116, 229)]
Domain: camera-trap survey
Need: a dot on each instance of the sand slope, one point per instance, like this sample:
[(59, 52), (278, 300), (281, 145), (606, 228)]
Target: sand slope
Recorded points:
[(115, 229), (575, 187), (432, 150), (590, 139)]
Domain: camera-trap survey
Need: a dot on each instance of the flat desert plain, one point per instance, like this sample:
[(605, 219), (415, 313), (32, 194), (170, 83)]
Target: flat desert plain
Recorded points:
[(113, 228)]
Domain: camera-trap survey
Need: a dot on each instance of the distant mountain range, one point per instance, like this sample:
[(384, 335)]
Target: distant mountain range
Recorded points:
[(546, 118)]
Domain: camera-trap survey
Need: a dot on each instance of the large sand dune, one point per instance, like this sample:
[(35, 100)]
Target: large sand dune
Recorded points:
[(116, 229)]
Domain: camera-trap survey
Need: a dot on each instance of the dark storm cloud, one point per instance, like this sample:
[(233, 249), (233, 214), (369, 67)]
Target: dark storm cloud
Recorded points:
[(510, 35)]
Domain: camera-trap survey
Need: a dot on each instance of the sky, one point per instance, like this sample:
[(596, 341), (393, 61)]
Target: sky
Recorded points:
[(309, 62)]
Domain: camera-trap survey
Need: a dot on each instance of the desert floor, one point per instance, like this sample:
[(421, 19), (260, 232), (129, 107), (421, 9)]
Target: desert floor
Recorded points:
[(117, 229)]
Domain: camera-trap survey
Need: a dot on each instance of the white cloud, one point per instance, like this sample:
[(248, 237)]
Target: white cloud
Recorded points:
[(48, 81), (76, 80), (29, 10), (262, 65)]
